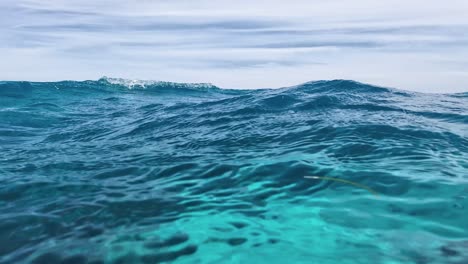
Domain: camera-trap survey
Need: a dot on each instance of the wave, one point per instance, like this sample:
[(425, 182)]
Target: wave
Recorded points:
[(106, 83), (141, 171), (147, 84)]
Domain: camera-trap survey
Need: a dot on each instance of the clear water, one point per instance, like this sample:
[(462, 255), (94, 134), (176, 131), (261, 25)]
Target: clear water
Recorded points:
[(115, 171)]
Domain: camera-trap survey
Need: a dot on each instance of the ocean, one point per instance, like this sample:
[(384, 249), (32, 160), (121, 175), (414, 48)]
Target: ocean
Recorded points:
[(121, 171)]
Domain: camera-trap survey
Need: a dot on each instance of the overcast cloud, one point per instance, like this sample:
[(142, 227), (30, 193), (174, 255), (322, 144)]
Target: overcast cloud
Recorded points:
[(413, 45)]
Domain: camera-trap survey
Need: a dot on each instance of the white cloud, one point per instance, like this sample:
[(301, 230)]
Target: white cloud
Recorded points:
[(416, 45)]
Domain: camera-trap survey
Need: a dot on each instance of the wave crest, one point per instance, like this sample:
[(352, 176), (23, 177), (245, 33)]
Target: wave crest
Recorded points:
[(150, 84)]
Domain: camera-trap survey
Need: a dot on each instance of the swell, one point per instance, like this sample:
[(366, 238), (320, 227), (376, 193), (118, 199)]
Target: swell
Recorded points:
[(103, 165), (24, 89)]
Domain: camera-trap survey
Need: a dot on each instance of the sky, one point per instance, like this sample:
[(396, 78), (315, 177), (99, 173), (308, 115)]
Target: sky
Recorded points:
[(407, 44)]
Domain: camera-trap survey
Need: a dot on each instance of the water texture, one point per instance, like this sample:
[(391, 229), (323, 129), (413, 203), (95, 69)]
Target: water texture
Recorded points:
[(119, 171)]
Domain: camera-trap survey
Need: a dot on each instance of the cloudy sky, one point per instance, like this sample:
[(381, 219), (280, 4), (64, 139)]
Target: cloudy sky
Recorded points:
[(408, 44)]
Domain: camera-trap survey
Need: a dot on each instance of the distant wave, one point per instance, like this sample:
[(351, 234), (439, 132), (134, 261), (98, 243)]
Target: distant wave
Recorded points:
[(108, 82), (154, 84)]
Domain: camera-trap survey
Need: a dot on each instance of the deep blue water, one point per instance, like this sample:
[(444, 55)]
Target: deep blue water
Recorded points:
[(114, 171)]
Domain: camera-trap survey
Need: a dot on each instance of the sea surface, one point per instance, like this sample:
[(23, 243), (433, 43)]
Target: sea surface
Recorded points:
[(121, 171)]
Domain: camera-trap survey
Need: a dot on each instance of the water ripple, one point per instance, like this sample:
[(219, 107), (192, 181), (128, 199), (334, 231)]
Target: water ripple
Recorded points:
[(112, 171)]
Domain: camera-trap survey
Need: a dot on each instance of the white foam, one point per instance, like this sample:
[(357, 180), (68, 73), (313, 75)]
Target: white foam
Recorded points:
[(135, 83)]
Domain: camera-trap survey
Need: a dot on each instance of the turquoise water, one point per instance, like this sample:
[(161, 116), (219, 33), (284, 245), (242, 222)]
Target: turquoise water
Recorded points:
[(116, 171)]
